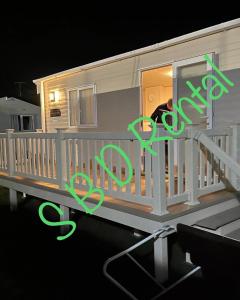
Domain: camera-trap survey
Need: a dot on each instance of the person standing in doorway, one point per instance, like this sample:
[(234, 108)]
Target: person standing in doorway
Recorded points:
[(158, 112)]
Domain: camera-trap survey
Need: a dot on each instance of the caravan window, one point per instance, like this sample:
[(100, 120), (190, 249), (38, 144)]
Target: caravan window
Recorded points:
[(82, 107), (22, 122), (27, 123)]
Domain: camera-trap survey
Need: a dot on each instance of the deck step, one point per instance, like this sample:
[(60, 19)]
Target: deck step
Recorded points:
[(220, 220)]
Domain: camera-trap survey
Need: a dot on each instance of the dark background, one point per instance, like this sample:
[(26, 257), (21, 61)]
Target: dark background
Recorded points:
[(35, 44)]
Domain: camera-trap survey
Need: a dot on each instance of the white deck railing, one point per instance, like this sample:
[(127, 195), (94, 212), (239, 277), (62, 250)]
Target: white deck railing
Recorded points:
[(191, 171)]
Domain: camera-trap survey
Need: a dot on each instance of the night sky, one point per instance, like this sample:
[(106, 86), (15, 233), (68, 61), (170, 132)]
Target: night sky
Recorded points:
[(36, 46)]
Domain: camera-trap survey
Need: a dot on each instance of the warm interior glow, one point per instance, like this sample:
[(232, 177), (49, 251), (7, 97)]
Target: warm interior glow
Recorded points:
[(170, 73), (157, 88)]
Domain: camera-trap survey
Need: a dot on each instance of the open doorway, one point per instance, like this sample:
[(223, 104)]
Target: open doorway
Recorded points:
[(157, 88)]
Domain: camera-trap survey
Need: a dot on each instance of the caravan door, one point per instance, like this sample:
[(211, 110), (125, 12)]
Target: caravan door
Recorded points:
[(193, 69)]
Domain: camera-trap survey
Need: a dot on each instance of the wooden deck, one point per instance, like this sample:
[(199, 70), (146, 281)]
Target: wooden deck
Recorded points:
[(174, 211)]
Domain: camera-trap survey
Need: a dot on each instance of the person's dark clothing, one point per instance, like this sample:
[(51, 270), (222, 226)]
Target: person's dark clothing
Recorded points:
[(157, 117), (158, 112)]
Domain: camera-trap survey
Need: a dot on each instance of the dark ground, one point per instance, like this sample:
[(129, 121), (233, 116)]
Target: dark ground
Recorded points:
[(34, 265)]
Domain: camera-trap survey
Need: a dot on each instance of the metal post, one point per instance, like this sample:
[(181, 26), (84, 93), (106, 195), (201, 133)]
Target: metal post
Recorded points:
[(65, 217), (161, 259), (13, 199)]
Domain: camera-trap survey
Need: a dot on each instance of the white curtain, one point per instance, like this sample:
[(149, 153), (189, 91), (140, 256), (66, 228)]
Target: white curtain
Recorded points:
[(15, 122)]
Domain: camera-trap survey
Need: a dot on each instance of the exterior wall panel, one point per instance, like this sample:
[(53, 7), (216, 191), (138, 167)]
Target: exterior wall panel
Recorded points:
[(123, 76)]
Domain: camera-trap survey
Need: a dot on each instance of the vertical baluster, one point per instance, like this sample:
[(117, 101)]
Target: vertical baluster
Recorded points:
[(119, 166), (21, 155), (209, 168), (30, 155), (202, 166), (18, 154), (109, 160), (37, 157), (223, 147), (53, 159), (25, 155), (50, 159), (95, 173), (43, 171), (228, 151), (180, 159), (148, 173), (137, 167), (1, 153), (47, 156), (171, 176), (80, 160), (68, 159), (4, 160), (192, 171), (215, 162), (88, 157), (102, 172), (34, 156), (126, 171), (73, 157)]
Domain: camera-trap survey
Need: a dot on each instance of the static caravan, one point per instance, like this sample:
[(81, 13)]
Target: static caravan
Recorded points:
[(190, 178), (19, 115), (108, 94)]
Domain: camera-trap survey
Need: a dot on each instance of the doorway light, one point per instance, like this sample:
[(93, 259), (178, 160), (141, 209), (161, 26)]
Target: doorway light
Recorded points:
[(170, 73)]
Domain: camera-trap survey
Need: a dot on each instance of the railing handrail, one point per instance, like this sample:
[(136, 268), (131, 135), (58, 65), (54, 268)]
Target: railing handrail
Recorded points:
[(220, 154), (124, 135), (92, 135)]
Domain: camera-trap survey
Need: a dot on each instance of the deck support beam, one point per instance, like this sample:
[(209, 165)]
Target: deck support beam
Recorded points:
[(65, 217), (13, 199), (161, 259)]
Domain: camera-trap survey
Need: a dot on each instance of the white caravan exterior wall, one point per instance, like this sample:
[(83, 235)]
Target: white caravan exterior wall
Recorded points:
[(118, 83)]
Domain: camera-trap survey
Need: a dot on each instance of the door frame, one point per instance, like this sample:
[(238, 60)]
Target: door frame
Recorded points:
[(190, 61), (140, 72)]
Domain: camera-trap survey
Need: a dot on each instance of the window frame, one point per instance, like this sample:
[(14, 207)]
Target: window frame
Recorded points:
[(80, 88), (21, 123)]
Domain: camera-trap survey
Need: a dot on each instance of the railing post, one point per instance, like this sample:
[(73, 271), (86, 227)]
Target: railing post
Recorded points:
[(191, 172), (235, 180), (10, 152), (60, 158), (158, 175)]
